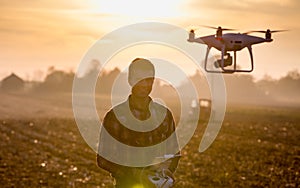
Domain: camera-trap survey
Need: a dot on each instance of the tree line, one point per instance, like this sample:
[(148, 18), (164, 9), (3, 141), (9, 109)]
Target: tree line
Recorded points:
[(240, 88)]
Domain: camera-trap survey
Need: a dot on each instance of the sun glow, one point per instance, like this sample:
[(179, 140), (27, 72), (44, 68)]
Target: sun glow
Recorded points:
[(137, 8)]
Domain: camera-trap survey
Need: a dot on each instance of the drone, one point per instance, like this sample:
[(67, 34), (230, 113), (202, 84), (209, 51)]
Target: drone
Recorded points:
[(229, 42)]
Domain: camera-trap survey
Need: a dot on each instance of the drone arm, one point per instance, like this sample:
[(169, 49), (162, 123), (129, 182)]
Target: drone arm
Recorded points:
[(198, 40)]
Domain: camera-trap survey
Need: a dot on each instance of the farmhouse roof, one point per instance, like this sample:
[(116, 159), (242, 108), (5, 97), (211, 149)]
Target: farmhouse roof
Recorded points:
[(14, 77)]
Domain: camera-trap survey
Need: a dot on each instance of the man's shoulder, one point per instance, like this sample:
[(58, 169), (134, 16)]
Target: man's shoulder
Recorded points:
[(161, 107), (119, 107), (122, 110)]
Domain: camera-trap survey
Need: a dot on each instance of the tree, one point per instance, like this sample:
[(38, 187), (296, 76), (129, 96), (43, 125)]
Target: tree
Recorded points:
[(57, 81)]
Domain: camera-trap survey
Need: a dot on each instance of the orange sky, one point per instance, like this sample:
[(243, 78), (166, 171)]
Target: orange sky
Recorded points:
[(37, 34)]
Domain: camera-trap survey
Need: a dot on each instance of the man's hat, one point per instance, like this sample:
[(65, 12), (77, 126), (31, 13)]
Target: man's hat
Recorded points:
[(140, 69)]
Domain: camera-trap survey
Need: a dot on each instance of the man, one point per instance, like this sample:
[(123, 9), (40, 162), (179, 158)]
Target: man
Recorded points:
[(128, 123)]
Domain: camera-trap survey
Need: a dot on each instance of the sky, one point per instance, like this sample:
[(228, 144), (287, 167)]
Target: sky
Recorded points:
[(35, 35)]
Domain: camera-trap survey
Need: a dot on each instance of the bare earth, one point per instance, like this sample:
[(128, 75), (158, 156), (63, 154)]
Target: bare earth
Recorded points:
[(42, 147)]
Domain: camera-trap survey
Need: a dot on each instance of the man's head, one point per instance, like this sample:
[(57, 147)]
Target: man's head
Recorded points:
[(141, 76)]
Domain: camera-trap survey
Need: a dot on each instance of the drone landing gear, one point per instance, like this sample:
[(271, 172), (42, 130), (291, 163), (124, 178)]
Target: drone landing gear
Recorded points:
[(225, 62)]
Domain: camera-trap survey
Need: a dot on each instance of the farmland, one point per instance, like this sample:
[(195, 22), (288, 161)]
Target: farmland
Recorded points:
[(256, 147)]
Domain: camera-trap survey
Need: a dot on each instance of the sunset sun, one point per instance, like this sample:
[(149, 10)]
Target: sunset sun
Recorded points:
[(147, 9)]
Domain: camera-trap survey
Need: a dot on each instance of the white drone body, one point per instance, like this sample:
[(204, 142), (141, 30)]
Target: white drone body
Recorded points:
[(229, 42)]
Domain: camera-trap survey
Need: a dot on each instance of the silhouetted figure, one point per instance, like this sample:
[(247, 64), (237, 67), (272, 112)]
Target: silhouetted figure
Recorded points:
[(140, 107)]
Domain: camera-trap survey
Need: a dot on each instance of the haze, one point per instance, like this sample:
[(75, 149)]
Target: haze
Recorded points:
[(35, 35)]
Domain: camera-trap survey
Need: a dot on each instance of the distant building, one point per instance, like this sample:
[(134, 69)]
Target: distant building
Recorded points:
[(12, 83)]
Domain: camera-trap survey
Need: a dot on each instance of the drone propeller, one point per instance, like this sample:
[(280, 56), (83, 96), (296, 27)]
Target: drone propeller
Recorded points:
[(266, 31), (193, 28), (223, 29)]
